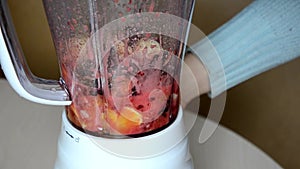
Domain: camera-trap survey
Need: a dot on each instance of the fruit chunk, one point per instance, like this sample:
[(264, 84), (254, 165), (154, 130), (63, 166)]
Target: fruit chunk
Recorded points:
[(127, 122), (132, 115), (150, 48)]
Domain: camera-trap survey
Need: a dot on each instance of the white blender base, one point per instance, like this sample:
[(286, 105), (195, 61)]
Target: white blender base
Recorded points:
[(167, 149)]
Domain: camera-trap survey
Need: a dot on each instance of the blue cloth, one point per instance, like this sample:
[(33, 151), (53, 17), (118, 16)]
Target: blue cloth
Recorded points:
[(264, 35)]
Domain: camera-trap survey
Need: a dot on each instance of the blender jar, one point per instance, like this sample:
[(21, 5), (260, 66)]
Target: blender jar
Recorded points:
[(121, 72)]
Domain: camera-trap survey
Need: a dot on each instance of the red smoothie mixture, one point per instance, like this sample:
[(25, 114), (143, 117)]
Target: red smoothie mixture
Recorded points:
[(132, 94)]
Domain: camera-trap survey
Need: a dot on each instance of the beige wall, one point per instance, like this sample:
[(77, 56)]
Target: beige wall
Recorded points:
[(265, 109), (32, 28)]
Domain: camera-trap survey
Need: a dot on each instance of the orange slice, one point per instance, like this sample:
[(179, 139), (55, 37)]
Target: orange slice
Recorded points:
[(127, 122), (132, 115)]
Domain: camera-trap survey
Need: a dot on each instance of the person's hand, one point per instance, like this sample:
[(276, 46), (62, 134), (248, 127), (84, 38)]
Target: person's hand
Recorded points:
[(193, 72)]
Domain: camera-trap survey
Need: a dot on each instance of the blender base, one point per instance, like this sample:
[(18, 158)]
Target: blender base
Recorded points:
[(166, 149)]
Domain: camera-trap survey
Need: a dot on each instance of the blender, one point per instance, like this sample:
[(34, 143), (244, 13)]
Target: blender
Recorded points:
[(120, 63)]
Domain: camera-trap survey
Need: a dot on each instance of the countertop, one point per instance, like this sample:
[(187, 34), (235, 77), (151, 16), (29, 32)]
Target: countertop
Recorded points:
[(29, 133)]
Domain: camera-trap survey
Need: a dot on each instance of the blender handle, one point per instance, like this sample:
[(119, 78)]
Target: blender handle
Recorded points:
[(17, 73)]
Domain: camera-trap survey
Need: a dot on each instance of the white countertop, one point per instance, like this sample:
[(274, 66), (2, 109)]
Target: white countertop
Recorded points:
[(29, 135)]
